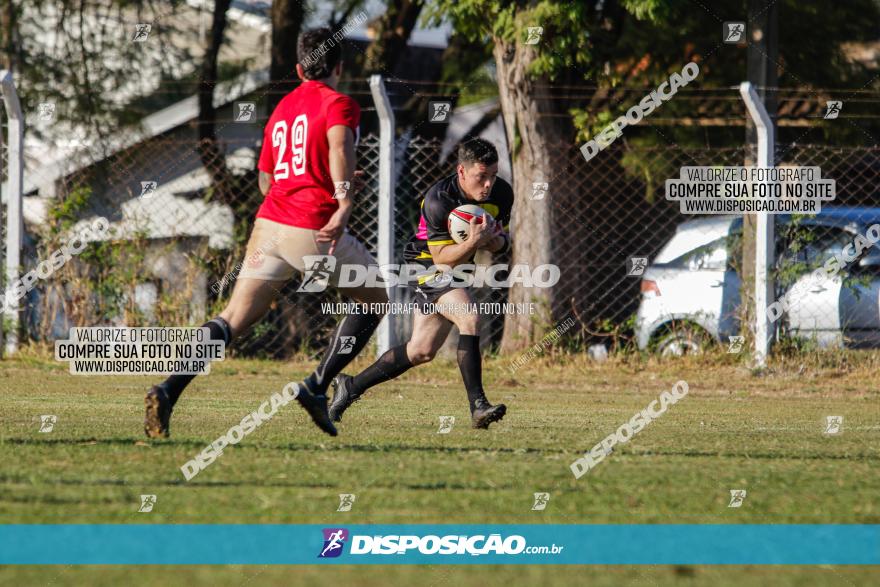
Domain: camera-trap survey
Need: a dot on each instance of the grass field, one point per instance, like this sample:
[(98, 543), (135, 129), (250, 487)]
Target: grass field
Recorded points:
[(734, 430)]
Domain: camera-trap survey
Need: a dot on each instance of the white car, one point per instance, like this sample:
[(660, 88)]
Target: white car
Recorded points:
[(691, 290)]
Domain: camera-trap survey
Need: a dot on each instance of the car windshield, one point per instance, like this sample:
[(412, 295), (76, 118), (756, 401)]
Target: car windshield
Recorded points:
[(710, 257)]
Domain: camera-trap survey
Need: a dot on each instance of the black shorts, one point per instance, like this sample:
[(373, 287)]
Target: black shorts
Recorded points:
[(427, 294)]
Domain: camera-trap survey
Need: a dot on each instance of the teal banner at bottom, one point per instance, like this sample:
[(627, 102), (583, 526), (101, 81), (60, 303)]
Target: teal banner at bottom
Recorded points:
[(563, 544)]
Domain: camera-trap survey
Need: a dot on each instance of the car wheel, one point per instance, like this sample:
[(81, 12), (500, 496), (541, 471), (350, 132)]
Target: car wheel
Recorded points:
[(681, 341)]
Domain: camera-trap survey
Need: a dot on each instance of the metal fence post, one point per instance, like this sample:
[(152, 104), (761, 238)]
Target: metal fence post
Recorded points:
[(764, 238), (385, 245), (12, 195)]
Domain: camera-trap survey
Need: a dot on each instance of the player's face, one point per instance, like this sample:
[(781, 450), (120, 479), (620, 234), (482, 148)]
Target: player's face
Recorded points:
[(476, 180)]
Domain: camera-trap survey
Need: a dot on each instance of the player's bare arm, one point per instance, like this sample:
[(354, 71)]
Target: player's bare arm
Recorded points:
[(342, 168), (265, 180)]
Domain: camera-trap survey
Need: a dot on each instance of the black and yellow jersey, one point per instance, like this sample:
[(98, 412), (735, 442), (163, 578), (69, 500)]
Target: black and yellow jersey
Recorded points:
[(444, 197)]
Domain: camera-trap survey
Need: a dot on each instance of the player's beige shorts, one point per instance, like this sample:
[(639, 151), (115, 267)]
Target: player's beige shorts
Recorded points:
[(275, 251)]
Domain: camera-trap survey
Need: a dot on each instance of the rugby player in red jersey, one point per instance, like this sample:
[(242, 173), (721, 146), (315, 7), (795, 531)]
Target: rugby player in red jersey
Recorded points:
[(308, 150)]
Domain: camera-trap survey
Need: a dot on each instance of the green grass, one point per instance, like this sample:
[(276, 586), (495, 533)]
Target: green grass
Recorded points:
[(734, 430)]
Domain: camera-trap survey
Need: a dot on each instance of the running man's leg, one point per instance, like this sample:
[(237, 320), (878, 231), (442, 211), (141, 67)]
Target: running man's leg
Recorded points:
[(250, 301), (354, 330), (452, 306), (429, 333), (262, 275)]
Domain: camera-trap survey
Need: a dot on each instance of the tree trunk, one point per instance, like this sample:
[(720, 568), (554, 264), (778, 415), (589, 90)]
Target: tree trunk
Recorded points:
[(211, 153), (392, 35), (534, 139), (287, 19)]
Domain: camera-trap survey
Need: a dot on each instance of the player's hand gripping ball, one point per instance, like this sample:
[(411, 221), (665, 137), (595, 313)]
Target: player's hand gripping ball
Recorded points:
[(458, 223)]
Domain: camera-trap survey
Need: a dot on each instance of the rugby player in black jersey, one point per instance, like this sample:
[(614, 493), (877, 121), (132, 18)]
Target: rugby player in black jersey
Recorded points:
[(439, 302)]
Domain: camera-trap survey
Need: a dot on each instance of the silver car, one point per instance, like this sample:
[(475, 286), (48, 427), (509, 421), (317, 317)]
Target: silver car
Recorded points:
[(691, 290)]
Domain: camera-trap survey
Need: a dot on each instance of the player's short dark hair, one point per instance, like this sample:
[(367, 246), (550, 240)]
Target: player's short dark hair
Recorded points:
[(318, 52), (477, 151)]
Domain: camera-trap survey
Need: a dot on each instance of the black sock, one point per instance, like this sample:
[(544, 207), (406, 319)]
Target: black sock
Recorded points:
[(470, 363), (350, 336), (391, 364), (175, 384)]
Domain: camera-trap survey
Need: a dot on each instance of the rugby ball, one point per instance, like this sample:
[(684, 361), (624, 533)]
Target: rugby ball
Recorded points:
[(458, 223)]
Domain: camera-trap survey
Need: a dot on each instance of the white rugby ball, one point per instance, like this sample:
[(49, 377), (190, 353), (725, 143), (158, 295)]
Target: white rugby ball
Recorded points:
[(458, 223)]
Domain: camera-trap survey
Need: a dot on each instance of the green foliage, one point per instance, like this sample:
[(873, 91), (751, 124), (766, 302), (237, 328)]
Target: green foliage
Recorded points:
[(97, 285), (651, 170), (571, 30), (64, 212)]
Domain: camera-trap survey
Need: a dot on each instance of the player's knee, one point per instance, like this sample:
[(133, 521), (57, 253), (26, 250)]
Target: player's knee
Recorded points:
[(420, 353), (468, 323)]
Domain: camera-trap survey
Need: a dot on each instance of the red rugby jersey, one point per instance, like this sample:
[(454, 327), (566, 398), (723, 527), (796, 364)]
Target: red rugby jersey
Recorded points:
[(296, 153)]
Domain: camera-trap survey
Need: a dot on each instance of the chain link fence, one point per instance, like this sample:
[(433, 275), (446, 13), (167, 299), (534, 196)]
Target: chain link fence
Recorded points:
[(616, 211), (184, 212)]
